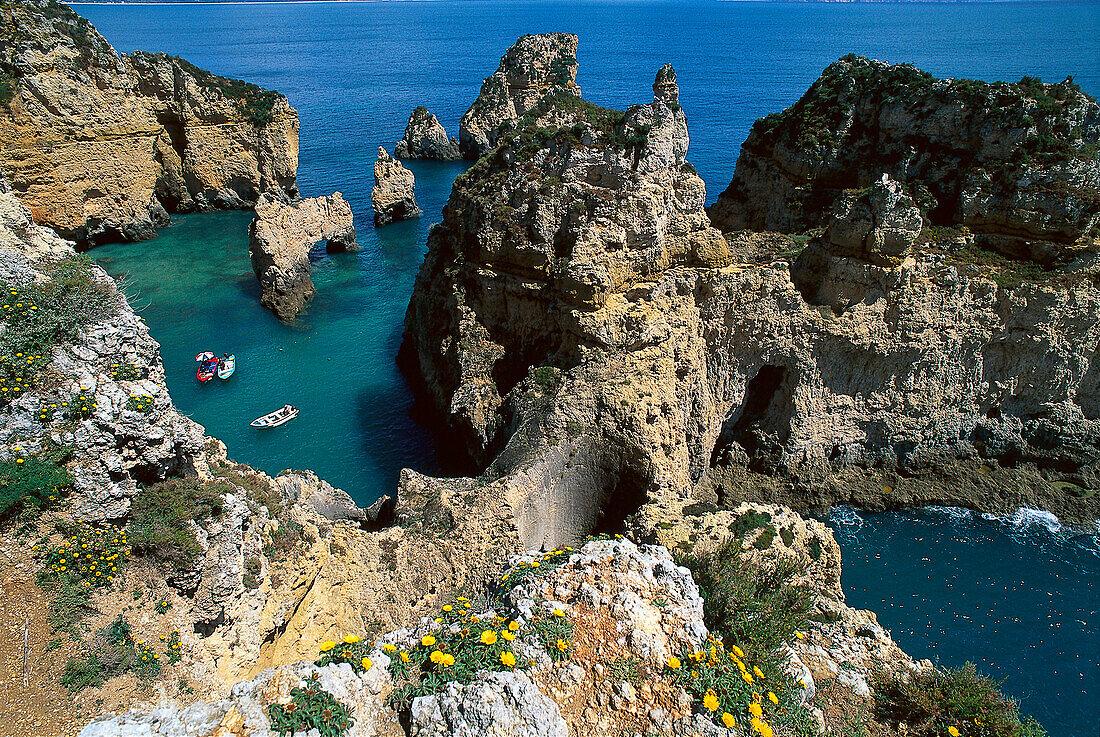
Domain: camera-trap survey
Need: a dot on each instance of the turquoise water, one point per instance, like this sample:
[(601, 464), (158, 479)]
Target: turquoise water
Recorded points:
[(355, 70)]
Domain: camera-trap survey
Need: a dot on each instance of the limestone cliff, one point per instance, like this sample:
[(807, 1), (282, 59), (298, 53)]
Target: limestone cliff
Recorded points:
[(1018, 164), (393, 195), (534, 66), (103, 146), (577, 323), (280, 238), (426, 138)]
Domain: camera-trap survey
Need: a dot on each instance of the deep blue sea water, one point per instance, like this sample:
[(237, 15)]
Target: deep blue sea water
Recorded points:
[(355, 70)]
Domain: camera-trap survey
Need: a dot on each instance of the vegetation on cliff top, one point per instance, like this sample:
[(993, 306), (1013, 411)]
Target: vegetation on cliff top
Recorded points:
[(812, 123), (255, 103), (952, 702)]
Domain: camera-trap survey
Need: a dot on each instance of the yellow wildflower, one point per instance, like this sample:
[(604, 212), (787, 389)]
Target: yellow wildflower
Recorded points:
[(728, 720), (447, 607), (953, 731), (559, 613), (710, 701), (674, 662), (508, 635), (513, 625), (366, 663), (427, 640), (508, 659), (756, 710), (758, 673), (404, 657), (489, 637), (746, 677), (737, 651), (562, 645), (389, 648), (327, 645), (350, 639), (773, 698)]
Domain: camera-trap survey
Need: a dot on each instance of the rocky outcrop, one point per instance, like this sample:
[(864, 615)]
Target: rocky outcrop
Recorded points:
[(1017, 164), (280, 238), (878, 225), (103, 146), (624, 603), (392, 196), (20, 234), (578, 325), (426, 138), (548, 229), (532, 68)]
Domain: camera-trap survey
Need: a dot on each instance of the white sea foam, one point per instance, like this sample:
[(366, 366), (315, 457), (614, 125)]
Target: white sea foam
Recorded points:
[(1026, 518), (846, 518)]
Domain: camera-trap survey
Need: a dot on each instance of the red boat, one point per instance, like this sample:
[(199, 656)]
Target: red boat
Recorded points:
[(208, 366)]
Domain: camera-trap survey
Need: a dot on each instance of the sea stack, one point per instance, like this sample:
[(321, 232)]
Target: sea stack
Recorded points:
[(102, 146), (426, 138), (392, 195), (280, 239), (533, 68)]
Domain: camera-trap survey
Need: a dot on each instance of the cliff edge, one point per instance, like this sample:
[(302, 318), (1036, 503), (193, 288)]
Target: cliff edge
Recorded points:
[(102, 146)]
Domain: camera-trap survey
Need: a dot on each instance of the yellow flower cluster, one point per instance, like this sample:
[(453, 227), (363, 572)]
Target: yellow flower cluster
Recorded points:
[(90, 558), (142, 403), (726, 685)]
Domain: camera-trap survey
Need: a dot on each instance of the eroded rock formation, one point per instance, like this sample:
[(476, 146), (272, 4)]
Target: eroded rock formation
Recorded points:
[(533, 67), (102, 146), (280, 238), (1015, 163), (393, 194), (579, 325), (426, 138)]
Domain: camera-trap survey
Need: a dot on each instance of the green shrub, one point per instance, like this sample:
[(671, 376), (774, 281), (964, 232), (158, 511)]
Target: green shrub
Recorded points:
[(727, 686), (82, 406), (113, 651), (44, 315), (757, 608), (160, 514), (142, 403), (90, 558), (547, 378), (748, 521), (68, 608), (123, 370), (31, 483), (311, 707), (932, 702)]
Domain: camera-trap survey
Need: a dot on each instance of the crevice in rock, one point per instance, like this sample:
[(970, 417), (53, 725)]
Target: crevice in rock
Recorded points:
[(761, 425)]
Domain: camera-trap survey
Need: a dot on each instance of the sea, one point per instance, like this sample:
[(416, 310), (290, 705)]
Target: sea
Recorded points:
[(1017, 596)]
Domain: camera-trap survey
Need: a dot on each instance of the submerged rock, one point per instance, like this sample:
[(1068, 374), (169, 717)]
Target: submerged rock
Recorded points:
[(425, 138), (1014, 163), (392, 196), (280, 238), (157, 134), (534, 67)]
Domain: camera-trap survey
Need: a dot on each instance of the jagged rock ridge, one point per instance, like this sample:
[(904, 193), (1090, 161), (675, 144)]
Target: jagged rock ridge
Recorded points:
[(280, 238), (103, 146), (426, 138), (533, 67), (1018, 164)]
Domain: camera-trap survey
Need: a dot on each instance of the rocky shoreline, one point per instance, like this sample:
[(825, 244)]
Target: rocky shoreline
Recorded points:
[(612, 363)]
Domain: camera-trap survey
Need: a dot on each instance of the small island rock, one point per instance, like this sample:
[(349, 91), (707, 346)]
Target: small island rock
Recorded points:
[(280, 239), (426, 138), (392, 195)]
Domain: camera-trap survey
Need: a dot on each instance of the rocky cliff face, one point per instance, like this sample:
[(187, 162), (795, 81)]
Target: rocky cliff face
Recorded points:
[(578, 324), (1018, 164), (534, 66), (426, 138), (392, 196), (280, 238), (103, 146)]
